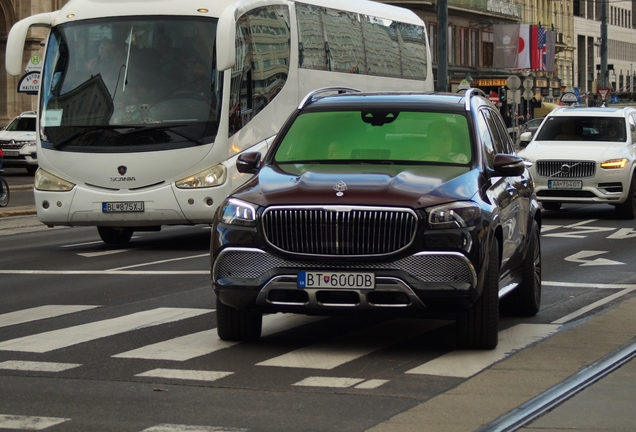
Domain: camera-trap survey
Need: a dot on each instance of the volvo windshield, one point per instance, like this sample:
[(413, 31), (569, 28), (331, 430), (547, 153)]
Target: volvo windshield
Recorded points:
[(130, 85)]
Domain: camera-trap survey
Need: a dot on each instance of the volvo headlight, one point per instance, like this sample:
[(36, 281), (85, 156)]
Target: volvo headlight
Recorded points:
[(614, 163), (237, 212), (45, 181), (210, 177), (454, 215)]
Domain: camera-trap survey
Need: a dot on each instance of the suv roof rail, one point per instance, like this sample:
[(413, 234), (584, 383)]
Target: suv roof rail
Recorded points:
[(28, 112), (311, 94), (472, 92)]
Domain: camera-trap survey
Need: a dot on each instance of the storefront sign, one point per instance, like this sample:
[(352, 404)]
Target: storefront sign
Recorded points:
[(491, 82)]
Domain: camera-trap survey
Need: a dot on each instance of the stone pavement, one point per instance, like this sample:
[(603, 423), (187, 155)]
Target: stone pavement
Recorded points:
[(607, 405)]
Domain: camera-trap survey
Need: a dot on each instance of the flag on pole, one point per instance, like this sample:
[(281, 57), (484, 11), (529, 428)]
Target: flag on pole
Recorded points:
[(506, 39), (538, 48), (550, 52), (524, 47)]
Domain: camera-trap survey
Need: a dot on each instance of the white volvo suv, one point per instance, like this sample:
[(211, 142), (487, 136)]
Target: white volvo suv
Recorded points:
[(585, 156)]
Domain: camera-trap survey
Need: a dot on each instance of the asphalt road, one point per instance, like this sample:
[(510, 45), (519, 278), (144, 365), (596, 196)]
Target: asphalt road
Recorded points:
[(101, 338)]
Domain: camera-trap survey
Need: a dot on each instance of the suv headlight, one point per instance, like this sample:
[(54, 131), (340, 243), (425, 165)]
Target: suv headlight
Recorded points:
[(237, 212), (614, 163), (454, 215), (45, 181), (210, 177)]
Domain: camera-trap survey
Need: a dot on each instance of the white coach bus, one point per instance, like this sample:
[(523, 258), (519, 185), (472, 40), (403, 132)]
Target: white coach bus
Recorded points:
[(145, 105)]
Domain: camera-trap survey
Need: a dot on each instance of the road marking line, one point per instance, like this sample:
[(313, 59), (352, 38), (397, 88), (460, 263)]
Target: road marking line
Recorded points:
[(29, 422), (104, 272), (371, 384), (193, 375), (56, 339), (40, 312), (329, 382), (34, 366), (189, 428), (594, 305), (466, 363), (335, 352), (102, 253), (206, 342), (160, 262), (588, 285)]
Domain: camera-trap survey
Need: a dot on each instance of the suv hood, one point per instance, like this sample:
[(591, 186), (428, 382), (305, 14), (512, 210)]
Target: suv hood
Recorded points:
[(17, 136), (573, 150), (413, 186)]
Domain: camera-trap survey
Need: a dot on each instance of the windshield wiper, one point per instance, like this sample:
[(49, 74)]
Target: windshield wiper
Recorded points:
[(85, 130), (159, 127)]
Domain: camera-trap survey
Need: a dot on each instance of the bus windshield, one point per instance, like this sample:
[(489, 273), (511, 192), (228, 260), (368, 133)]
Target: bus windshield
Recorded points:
[(130, 85)]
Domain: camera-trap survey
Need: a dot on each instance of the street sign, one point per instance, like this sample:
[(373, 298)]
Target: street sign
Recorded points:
[(603, 92), (513, 82), (464, 85), (528, 94), (528, 84), (494, 97)]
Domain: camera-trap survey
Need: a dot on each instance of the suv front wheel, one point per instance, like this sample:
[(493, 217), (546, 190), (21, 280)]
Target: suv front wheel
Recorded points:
[(478, 327)]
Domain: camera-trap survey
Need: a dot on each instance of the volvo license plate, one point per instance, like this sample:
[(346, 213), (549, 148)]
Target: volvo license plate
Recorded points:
[(565, 184), (353, 280), (124, 206)]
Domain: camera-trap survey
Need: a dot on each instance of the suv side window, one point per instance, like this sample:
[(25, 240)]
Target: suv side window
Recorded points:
[(486, 138), (499, 142), (632, 127)]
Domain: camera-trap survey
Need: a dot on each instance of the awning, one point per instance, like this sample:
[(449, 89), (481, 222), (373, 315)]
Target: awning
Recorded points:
[(546, 107)]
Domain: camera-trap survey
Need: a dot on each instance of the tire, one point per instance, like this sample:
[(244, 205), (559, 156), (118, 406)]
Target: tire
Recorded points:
[(478, 327), (114, 235), (525, 300), (7, 194), (237, 325), (627, 210), (551, 205)]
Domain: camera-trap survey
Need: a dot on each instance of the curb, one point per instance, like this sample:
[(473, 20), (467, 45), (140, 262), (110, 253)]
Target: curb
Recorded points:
[(17, 211)]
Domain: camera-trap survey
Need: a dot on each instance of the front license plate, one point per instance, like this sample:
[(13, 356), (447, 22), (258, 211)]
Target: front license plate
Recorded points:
[(352, 280), (126, 206), (11, 153), (565, 184)]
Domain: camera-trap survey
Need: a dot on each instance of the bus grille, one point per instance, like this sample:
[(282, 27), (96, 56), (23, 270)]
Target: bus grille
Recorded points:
[(566, 169), (339, 231)]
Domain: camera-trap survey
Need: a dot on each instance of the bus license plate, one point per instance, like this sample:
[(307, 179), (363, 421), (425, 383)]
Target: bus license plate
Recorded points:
[(126, 206), (565, 184), (352, 280)]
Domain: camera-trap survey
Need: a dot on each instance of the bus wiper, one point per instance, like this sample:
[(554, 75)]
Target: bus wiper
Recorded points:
[(85, 130), (159, 127)]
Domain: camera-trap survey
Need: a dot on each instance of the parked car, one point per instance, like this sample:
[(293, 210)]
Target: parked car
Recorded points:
[(404, 204), (18, 142), (585, 156), (531, 125)]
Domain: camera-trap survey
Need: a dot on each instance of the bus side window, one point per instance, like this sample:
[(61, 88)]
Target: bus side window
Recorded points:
[(262, 62)]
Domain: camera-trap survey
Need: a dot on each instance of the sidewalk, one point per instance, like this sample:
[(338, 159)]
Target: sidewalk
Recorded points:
[(483, 398)]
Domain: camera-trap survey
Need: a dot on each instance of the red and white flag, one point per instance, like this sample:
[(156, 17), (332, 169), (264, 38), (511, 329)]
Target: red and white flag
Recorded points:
[(524, 47)]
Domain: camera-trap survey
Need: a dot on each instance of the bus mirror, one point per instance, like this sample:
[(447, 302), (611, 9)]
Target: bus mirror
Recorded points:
[(17, 37), (225, 36)]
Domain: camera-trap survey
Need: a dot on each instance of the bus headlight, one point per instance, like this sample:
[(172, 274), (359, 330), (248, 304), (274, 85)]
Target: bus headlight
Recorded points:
[(210, 177), (237, 212), (45, 181)]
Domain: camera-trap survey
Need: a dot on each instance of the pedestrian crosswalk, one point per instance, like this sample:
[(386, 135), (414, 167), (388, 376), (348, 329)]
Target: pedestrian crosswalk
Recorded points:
[(328, 355)]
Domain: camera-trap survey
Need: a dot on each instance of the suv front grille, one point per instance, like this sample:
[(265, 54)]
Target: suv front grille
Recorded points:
[(338, 230), (566, 169)]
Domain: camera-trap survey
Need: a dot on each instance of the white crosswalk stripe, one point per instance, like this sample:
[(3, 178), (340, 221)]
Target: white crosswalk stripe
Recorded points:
[(29, 422), (34, 366), (190, 428), (40, 312), (56, 339)]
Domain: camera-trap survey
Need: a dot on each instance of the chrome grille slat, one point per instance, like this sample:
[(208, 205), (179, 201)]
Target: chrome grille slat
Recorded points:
[(577, 169), (339, 231)]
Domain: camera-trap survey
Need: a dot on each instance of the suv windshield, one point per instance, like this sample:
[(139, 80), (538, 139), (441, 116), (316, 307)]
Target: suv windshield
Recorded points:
[(376, 137), (579, 128), (114, 76), (22, 124)]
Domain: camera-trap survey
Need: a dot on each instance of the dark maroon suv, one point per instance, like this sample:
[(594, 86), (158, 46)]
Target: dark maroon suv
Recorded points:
[(404, 204)]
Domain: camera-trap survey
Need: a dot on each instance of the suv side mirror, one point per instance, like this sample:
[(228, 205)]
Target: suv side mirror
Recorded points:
[(248, 163), (524, 139), (507, 165)]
